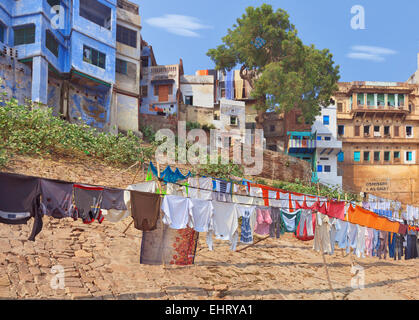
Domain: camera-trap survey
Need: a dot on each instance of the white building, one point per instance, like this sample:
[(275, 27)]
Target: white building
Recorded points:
[(328, 147), (198, 91)]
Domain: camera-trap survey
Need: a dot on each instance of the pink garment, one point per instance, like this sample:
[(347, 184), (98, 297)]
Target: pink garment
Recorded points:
[(263, 221), (336, 209), (369, 241)]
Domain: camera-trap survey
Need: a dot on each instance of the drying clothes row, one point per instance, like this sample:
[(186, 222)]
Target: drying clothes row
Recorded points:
[(363, 241), (221, 219), (23, 198)]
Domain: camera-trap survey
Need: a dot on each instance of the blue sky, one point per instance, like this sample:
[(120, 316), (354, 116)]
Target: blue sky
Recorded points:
[(385, 51)]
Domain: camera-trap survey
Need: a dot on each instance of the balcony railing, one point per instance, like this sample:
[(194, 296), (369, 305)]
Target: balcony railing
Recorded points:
[(302, 144)]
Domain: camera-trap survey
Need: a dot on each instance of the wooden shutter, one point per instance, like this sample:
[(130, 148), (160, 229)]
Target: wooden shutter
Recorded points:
[(357, 129), (396, 131), (163, 93)]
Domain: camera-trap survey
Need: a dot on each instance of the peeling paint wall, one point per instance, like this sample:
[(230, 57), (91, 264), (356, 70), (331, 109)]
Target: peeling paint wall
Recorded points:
[(54, 95), (91, 106), (17, 79)]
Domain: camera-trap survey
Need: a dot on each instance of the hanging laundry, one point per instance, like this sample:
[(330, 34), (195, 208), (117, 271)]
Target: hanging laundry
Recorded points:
[(275, 226), (369, 239), (383, 245), (263, 221), (399, 248), (57, 198), (391, 244), (334, 228), (369, 219), (342, 234), (248, 215), (310, 202), (145, 210), (175, 190), (307, 227), (376, 243), (88, 200), (336, 209), (411, 245), (168, 246), (290, 221), (322, 234), (306, 221), (257, 194), (20, 201), (352, 238), (296, 198), (361, 240), (202, 215), (200, 188), (222, 191), (177, 212), (225, 224), (113, 199)]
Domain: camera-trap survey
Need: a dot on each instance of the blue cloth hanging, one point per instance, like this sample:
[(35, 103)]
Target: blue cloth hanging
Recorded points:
[(229, 85)]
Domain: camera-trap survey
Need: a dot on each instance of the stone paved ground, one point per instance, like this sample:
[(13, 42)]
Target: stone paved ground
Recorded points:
[(100, 262)]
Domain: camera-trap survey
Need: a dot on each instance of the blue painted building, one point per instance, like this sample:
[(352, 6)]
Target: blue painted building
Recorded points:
[(70, 48)]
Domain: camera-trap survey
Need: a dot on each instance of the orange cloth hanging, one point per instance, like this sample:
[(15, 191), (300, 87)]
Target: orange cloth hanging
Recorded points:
[(372, 220)]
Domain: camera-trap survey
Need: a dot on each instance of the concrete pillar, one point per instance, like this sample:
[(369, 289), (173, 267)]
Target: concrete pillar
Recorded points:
[(113, 113), (396, 100), (40, 80), (375, 99)]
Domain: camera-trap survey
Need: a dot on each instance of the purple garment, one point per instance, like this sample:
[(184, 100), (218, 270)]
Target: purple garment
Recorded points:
[(57, 198)]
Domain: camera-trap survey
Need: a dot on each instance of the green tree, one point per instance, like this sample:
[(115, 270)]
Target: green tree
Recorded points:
[(284, 73)]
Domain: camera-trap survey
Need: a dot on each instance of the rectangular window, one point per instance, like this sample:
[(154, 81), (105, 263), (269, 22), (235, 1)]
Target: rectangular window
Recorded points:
[(361, 99), (326, 120), (409, 132), (396, 131), (380, 100), (340, 107), (121, 66), (189, 100), (409, 156), (273, 128), (387, 131), (319, 168), (397, 156), (24, 35), (327, 138), (357, 156), (94, 57), (1, 33), (401, 100), (357, 131), (341, 130), (156, 90), (387, 156), (327, 169), (366, 156), (371, 99), (377, 156), (391, 100), (53, 3), (366, 131), (377, 132), (144, 91), (324, 159), (233, 121), (341, 157), (126, 36), (96, 12), (52, 43)]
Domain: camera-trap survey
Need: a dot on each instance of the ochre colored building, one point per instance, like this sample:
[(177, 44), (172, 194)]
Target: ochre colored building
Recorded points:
[(378, 123)]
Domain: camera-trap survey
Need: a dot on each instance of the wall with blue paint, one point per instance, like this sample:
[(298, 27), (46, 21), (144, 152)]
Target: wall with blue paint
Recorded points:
[(91, 106), (17, 79)]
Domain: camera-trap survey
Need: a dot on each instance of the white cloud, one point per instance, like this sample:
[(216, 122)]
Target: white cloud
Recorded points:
[(370, 53), (178, 24)]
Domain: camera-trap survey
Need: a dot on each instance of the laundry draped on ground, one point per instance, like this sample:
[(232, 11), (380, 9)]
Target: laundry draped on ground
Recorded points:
[(233, 211)]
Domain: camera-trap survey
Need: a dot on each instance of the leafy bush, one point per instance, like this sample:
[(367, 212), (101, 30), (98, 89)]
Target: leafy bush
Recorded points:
[(30, 130), (192, 125), (149, 134), (219, 170)]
